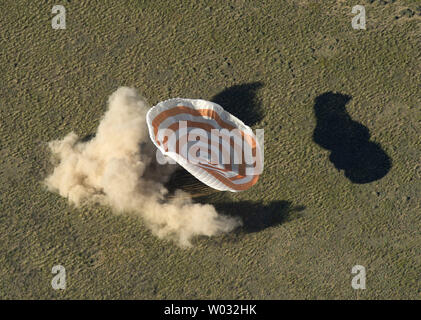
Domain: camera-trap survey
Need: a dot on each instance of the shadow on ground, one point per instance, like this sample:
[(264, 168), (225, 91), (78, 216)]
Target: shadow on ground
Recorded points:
[(88, 137), (362, 160), (256, 216), (241, 101)]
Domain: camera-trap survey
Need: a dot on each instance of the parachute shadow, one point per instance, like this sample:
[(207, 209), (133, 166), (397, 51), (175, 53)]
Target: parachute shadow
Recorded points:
[(240, 100), (87, 137), (256, 216), (362, 160)]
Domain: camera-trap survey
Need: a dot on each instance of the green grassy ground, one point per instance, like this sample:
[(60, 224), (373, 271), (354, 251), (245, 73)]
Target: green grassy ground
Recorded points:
[(315, 223)]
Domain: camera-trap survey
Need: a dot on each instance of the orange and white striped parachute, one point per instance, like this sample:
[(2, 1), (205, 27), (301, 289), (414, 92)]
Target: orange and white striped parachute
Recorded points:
[(210, 143)]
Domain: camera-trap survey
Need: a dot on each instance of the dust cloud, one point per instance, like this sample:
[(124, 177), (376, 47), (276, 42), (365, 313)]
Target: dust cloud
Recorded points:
[(118, 168)]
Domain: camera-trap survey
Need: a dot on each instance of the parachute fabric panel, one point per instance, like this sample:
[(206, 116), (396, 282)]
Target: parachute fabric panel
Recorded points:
[(229, 157)]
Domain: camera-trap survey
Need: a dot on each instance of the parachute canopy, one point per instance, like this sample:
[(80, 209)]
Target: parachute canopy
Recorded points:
[(210, 143)]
